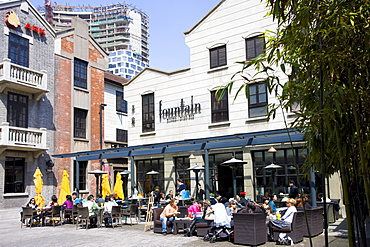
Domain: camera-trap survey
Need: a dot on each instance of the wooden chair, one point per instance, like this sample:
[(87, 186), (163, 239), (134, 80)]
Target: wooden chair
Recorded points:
[(133, 211), (82, 216), (27, 214), (115, 214), (250, 229), (295, 231)]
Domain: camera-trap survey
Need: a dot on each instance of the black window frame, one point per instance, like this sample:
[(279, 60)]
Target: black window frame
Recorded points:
[(121, 104), (17, 110), (145, 182), (219, 108), (80, 73), (254, 47), (121, 135), (79, 123), (182, 164), (14, 178), (217, 56), (18, 50), (82, 174), (260, 104), (148, 114)]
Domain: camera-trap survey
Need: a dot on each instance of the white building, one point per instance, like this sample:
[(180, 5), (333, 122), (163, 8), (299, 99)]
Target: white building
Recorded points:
[(177, 113)]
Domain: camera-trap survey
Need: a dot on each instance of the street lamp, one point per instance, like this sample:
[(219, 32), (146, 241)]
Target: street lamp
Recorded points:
[(196, 169), (97, 173), (273, 169), (233, 164)]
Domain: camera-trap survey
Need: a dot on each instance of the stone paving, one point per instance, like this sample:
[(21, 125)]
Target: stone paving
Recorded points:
[(66, 235)]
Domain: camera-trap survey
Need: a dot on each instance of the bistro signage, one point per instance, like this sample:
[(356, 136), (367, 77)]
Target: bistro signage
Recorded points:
[(180, 113)]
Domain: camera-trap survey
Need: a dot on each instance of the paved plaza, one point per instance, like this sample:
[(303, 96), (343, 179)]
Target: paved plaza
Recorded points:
[(66, 235)]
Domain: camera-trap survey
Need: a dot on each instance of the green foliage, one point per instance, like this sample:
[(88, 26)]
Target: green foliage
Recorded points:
[(322, 44)]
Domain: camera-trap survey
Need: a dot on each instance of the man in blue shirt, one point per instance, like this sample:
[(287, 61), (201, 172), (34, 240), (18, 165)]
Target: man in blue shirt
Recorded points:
[(181, 186), (293, 192)]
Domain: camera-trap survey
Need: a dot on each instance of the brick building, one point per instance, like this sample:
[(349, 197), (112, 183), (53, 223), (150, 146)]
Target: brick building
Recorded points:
[(79, 93)]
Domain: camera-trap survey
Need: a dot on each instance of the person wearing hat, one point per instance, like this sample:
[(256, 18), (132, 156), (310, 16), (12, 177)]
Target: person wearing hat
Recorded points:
[(242, 200)]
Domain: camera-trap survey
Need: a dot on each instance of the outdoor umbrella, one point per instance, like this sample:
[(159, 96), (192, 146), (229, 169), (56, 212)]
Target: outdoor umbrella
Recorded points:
[(118, 189), (64, 188), (39, 199), (105, 186)]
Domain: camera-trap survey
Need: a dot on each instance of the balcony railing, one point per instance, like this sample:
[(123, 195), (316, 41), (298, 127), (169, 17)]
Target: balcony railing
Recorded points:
[(22, 138), (23, 78)]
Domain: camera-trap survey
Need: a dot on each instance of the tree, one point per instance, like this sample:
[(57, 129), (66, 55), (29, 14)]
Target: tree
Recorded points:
[(323, 47)]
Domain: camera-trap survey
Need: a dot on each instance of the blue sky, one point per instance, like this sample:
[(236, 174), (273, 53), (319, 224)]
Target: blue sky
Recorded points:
[(168, 20)]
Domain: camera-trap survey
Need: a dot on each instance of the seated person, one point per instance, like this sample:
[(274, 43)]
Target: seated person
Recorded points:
[(32, 203), (286, 219), (92, 206), (203, 207), (272, 203), (109, 203), (170, 195), (80, 200), (249, 208), (194, 209), (231, 208), (221, 217), (168, 214), (307, 205), (47, 211), (266, 206)]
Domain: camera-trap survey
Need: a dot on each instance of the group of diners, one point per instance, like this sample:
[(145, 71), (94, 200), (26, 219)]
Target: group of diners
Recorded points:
[(219, 211), (41, 213)]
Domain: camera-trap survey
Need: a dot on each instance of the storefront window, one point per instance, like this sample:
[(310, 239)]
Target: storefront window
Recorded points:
[(275, 181), (181, 167), (221, 180), (146, 183)]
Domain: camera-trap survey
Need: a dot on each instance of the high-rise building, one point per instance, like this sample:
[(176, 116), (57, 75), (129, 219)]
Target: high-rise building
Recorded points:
[(120, 28)]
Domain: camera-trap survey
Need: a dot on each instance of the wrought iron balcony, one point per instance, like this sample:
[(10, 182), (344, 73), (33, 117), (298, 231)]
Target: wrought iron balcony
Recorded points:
[(22, 78), (25, 139)]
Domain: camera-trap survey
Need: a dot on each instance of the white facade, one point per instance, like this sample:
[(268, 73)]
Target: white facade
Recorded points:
[(225, 25)]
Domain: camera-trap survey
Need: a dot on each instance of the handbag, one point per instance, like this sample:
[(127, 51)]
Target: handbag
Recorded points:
[(210, 214)]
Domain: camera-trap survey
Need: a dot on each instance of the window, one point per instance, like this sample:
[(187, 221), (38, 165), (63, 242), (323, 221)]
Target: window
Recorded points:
[(257, 100), (121, 104), (270, 181), (82, 174), (220, 109), (254, 47), (18, 50), (218, 56), (148, 112), (80, 123), (121, 135), (80, 73), (17, 110), (14, 175), (181, 169), (145, 182)]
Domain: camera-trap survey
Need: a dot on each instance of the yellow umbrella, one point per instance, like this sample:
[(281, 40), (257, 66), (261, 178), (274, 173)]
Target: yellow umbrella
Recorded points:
[(65, 189), (118, 189), (39, 199), (105, 186)]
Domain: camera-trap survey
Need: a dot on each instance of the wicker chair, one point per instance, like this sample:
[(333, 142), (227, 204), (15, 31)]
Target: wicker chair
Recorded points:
[(315, 220), (203, 228), (250, 229), (158, 223), (295, 231), (82, 216), (183, 211)]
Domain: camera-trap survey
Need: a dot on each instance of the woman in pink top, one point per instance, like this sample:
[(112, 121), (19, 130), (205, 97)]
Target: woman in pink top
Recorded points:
[(195, 208)]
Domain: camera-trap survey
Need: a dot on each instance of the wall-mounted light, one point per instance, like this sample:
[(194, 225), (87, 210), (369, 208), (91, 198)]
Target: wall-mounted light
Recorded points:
[(49, 166), (133, 109)]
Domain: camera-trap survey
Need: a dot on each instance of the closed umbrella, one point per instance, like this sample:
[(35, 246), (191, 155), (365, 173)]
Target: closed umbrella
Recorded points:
[(39, 199), (118, 189), (105, 186), (65, 189)]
